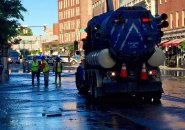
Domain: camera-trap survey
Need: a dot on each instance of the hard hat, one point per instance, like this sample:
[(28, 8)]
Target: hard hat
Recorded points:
[(42, 57), (57, 58)]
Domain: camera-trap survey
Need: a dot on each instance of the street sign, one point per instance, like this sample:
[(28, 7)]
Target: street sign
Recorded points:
[(26, 42), (82, 30)]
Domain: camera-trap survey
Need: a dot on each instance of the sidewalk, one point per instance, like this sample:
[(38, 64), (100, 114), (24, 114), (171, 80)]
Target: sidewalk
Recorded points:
[(170, 68)]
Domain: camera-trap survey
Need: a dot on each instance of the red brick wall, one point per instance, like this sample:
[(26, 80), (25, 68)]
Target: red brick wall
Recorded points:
[(55, 29), (172, 6)]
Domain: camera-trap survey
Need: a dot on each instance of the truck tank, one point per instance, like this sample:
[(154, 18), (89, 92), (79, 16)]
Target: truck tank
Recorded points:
[(122, 54)]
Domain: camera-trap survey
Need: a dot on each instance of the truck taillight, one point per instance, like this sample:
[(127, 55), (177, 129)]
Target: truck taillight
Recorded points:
[(152, 72), (146, 20)]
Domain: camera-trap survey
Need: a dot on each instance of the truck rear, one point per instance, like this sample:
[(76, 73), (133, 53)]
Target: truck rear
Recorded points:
[(121, 54)]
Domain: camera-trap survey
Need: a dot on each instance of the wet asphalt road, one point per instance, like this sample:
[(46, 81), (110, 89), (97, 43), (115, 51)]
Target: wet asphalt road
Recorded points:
[(60, 107)]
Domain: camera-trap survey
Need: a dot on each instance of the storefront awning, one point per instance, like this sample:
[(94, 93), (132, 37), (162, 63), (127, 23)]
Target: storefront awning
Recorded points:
[(162, 42), (174, 42), (181, 40)]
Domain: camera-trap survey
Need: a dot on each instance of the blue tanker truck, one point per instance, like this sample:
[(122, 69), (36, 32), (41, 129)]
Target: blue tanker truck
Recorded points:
[(122, 54)]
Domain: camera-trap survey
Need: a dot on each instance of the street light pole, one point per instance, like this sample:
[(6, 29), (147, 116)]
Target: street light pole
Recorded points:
[(40, 45)]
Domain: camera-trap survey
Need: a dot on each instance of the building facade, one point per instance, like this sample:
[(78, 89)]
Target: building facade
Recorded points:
[(72, 19), (148, 4), (100, 6), (175, 9), (174, 34)]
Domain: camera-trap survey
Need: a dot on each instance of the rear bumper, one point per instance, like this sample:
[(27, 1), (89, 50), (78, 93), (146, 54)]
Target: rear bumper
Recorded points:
[(132, 87)]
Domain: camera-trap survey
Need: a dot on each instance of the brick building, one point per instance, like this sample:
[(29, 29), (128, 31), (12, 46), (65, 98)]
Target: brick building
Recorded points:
[(99, 6), (175, 9), (174, 34), (72, 19)]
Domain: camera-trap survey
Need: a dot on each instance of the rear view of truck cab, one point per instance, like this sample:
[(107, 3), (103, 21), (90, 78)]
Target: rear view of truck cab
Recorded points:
[(13, 57), (121, 54)]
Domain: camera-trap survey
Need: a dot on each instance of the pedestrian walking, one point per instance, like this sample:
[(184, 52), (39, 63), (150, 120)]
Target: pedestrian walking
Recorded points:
[(45, 70), (57, 68), (34, 70)]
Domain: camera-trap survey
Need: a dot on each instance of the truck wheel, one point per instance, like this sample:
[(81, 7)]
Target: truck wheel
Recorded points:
[(94, 86), (80, 84)]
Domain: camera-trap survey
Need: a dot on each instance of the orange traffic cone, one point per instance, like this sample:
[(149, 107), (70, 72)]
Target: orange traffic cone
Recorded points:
[(144, 75), (123, 73)]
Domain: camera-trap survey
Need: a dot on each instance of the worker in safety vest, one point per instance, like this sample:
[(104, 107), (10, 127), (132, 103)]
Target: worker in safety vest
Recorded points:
[(45, 70), (34, 70), (57, 68)]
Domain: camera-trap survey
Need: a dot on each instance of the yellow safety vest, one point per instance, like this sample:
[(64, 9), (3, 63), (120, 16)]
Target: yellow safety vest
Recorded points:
[(59, 66), (46, 68), (34, 66)]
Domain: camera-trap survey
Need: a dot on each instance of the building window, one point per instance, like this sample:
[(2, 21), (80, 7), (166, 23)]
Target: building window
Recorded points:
[(183, 18), (77, 2), (171, 21), (72, 24), (61, 27), (77, 11), (99, 3), (72, 12), (78, 23), (60, 15), (160, 1), (68, 13), (69, 25), (60, 5), (64, 14), (73, 2), (67, 3), (177, 19), (64, 3), (62, 38)]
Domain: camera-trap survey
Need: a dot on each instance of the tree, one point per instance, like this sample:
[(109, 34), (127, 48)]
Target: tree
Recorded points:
[(10, 13), (183, 45), (34, 52), (71, 48), (21, 32), (25, 52)]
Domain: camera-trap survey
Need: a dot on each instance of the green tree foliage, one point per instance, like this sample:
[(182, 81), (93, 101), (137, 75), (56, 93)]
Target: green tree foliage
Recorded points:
[(71, 48), (21, 32), (183, 45), (47, 48), (34, 52), (25, 52), (10, 13)]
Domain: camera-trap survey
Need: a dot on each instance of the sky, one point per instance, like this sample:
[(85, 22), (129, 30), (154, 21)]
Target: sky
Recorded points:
[(40, 12)]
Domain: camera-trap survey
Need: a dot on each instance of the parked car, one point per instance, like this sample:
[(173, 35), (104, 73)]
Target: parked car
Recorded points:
[(13, 57), (51, 59), (67, 59)]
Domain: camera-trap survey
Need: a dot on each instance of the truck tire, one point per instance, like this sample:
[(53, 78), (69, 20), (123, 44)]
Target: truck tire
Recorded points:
[(81, 85), (95, 84)]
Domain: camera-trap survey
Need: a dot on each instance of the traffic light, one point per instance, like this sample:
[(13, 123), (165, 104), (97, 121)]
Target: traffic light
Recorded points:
[(161, 22), (45, 27)]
